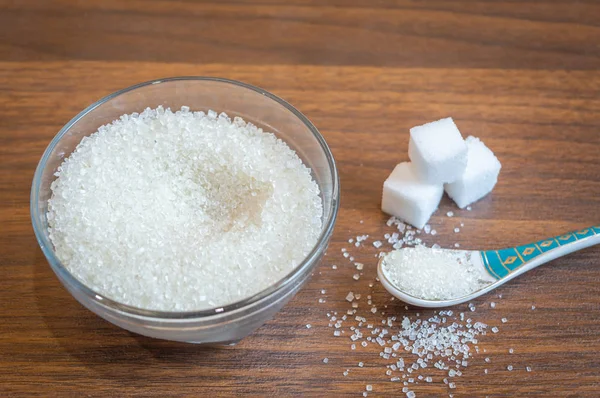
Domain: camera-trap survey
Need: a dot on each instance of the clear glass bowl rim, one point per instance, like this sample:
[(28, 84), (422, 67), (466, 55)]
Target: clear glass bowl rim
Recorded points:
[(103, 301)]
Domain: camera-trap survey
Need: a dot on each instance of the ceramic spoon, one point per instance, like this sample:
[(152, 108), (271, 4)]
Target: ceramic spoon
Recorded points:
[(504, 265)]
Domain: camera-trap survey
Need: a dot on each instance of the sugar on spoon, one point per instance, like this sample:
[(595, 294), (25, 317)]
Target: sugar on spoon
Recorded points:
[(434, 278)]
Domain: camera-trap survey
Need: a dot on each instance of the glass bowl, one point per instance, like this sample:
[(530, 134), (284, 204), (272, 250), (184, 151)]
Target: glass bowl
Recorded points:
[(232, 322)]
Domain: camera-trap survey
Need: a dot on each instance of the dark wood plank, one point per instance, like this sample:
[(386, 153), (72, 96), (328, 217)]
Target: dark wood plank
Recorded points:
[(547, 34)]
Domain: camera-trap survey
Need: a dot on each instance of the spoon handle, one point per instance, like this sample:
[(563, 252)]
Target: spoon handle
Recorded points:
[(500, 263)]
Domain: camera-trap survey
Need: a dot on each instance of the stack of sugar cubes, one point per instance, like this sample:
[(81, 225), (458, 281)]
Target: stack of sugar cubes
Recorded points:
[(440, 160)]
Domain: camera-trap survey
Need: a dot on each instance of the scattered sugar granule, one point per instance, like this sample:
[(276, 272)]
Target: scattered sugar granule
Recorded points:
[(377, 244), (533, 307), (450, 214), (323, 291), (510, 351), (457, 244), (356, 277), (528, 368), (469, 208), (510, 368), (369, 387), (359, 266), (492, 305), (495, 329), (360, 364), (434, 273), (456, 230), (325, 360), (321, 301), (433, 232), (504, 320), (308, 325), (334, 266), (350, 296), (155, 193)]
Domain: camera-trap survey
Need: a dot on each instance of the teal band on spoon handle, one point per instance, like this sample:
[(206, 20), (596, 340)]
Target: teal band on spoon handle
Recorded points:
[(500, 263)]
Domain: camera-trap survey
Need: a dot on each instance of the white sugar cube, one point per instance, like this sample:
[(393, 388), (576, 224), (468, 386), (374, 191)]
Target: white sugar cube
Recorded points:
[(479, 178), (409, 198), (438, 151)]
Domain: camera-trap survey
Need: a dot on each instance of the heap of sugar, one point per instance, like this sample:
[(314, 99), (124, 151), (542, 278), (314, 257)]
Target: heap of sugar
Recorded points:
[(438, 151), (183, 210), (408, 197), (434, 274), (480, 176)]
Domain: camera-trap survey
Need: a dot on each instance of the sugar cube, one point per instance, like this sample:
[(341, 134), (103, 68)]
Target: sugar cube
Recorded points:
[(438, 151), (409, 198), (479, 178)]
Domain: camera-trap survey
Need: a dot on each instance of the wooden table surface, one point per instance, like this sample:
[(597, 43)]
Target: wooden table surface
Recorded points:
[(524, 76)]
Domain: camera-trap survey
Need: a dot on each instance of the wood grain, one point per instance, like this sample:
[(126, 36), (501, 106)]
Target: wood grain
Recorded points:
[(522, 76)]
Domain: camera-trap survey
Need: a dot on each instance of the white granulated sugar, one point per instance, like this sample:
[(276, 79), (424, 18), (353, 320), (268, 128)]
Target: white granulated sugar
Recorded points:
[(434, 273), (181, 210)]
